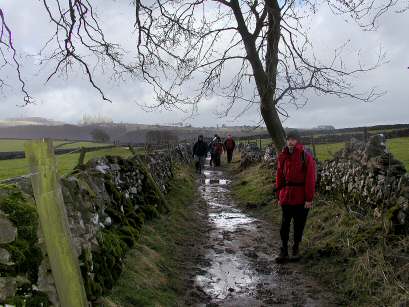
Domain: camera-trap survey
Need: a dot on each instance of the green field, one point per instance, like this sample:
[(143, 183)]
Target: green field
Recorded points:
[(65, 163), (18, 145), (327, 151), (399, 147)]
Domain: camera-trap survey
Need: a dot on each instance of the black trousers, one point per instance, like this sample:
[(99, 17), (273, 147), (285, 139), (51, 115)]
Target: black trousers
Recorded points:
[(216, 159), (299, 214), (229, 155)]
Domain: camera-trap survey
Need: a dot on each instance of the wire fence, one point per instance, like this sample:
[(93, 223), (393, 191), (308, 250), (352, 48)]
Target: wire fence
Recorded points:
[(21, 171)]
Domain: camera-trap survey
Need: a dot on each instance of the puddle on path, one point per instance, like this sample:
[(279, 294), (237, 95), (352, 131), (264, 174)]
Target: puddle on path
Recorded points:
[(239, 268), (230, 273), (208, 181)]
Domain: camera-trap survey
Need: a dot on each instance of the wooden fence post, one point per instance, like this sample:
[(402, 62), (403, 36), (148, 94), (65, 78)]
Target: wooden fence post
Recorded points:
[(131, 149), (314, 152), (81, 159), (365, 134), (54, 224)]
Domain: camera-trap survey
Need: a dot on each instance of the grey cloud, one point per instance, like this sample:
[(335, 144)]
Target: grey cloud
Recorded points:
[(69, 98)]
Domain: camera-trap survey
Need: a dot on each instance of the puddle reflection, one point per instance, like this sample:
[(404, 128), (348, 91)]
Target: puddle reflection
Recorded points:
[(209, 181), (229, 220), (228, 273)]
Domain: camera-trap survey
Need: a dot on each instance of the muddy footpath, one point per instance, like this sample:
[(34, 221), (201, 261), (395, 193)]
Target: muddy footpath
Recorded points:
[(233, 263)]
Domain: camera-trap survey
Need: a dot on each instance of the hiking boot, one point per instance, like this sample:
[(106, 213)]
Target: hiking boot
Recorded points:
[(283, 256), (295, 253)]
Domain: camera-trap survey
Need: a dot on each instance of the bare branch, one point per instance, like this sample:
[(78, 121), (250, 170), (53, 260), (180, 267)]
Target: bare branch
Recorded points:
[(6, 41)]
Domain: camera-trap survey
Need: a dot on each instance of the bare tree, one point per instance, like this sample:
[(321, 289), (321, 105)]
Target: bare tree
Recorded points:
[(100, 135), (252, 51), (160, 137), (6, 59)]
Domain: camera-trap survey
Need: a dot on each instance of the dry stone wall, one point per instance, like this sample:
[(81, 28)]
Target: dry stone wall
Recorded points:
[(250, 154), (369, 180), (364, 176), (107, 202)]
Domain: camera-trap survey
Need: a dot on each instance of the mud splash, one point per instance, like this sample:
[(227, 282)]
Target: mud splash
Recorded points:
[(239, 268)]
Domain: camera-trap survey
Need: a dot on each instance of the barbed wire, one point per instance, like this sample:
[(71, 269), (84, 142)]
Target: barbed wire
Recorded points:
[(71, 152), (9, 180), (57, 157)]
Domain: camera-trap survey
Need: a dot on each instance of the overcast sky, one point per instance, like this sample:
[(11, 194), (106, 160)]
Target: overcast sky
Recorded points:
[(68, 99)]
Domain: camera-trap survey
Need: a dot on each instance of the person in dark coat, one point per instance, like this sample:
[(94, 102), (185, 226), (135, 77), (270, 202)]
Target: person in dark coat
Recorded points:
[(295, 184), (229, 146), (200, 150)]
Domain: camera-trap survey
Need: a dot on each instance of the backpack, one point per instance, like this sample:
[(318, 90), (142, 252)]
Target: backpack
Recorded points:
[(303, 159)]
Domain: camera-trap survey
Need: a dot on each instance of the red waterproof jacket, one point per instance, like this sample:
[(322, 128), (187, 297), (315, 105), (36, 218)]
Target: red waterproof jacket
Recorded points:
[(229, 144), (295, 180)]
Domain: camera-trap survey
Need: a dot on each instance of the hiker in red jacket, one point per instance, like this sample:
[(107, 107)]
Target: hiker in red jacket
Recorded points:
[(295, 184), (229, 146)]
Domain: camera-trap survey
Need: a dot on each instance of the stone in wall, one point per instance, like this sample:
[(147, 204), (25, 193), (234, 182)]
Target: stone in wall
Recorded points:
[(8, 230), (250, 154), (270, 157)]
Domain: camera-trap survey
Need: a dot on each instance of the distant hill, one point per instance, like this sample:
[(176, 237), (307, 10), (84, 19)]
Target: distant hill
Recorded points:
[(27, 121), (32, 128), (35, 127)]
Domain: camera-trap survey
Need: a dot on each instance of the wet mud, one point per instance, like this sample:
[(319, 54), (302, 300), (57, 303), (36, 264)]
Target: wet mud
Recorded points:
[(236, 266)]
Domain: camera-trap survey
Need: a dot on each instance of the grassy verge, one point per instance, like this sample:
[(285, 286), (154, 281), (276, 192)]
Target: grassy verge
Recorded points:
[(365, 266), (253, 188), (353, 257), (153, 273)]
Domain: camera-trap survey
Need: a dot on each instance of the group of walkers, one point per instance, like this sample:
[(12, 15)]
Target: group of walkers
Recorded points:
[(295, 184), (216, 148)]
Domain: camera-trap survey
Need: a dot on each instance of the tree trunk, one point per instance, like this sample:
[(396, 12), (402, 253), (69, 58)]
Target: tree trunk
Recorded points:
[(267, 105), (273, 123), (265, 78)]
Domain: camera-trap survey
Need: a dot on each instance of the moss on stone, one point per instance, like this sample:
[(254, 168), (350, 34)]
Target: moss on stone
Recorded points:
[(34, 299), (128, 215), (25, 251)]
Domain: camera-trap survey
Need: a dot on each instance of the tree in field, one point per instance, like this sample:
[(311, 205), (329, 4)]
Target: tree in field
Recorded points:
[(252, 51), (100, 135)]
